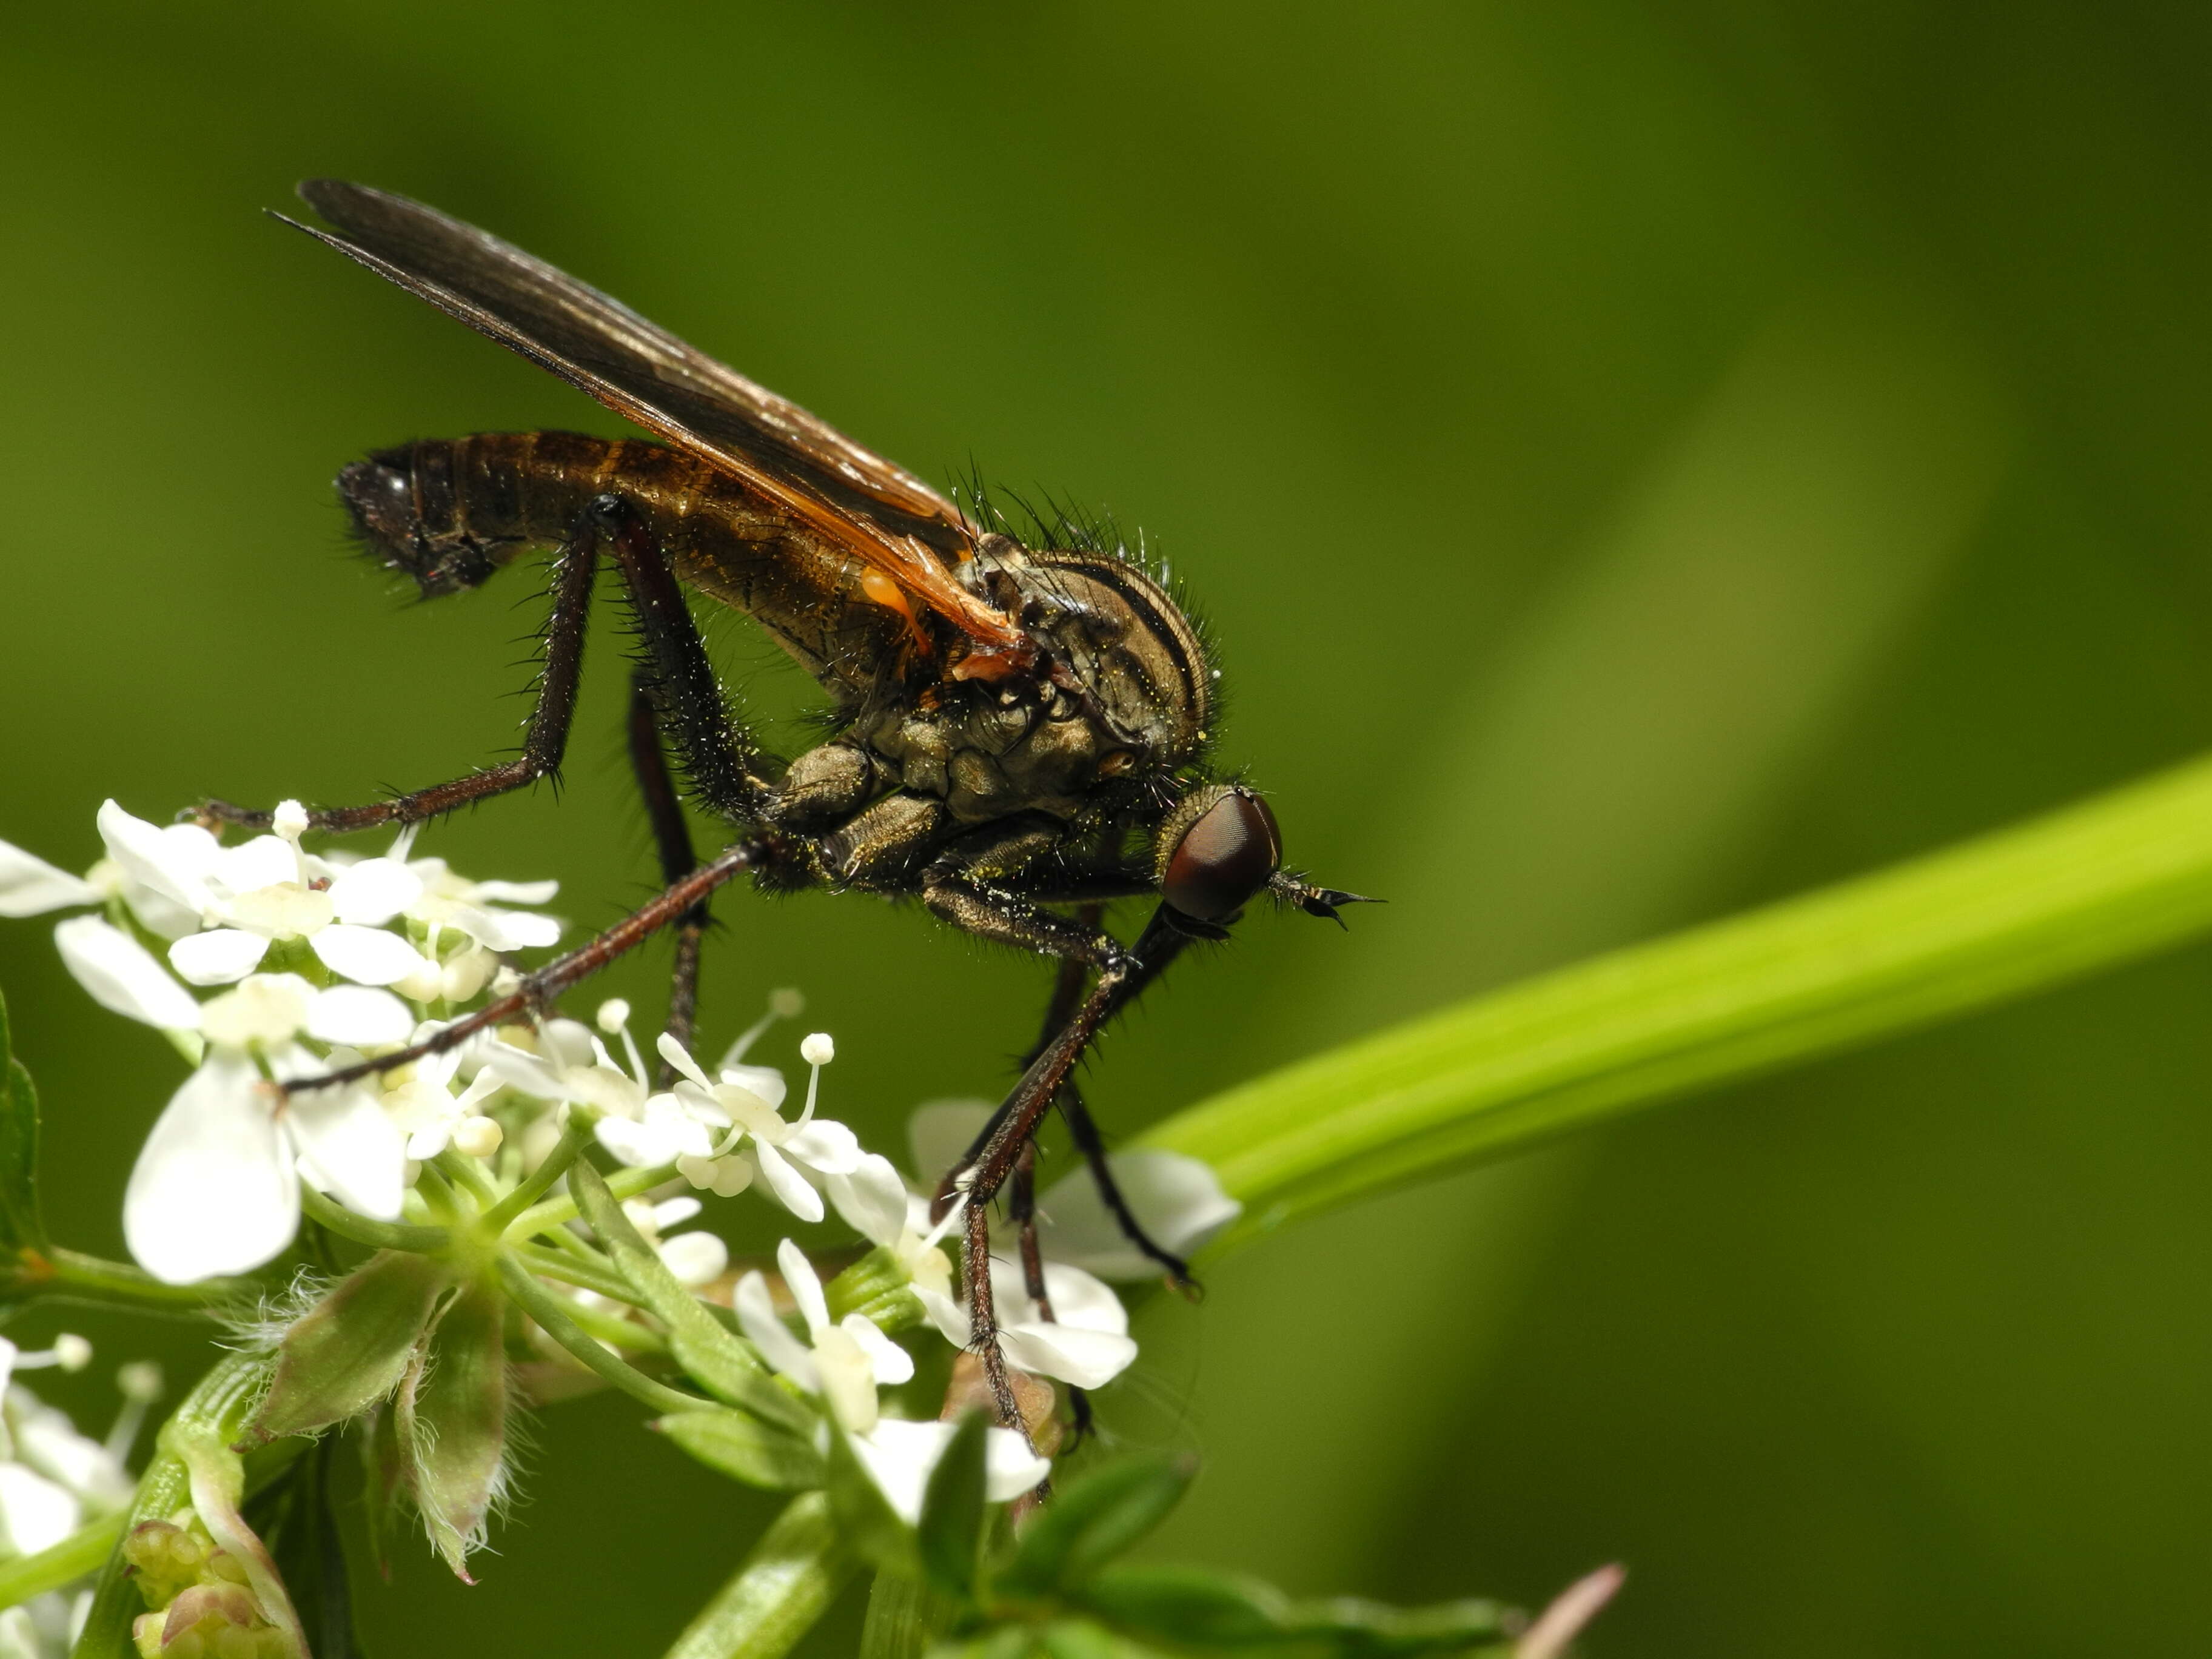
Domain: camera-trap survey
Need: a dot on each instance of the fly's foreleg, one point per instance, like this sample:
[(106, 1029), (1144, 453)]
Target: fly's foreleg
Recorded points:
[(540, 988)]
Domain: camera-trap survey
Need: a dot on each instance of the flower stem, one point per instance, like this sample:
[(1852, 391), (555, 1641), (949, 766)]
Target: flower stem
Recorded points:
[(379, 1235), (787, 1583), (2103, 882), (540, 1181), (554, 1212), (554, 1318), (80, 1553), (78, 1277), (576, 1270), (468, 1173)]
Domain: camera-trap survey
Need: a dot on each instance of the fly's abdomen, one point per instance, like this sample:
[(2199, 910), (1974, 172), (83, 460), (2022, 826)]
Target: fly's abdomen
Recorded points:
[(450, 511)]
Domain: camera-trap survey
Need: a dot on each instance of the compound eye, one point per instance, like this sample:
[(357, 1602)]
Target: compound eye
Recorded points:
[(1224, 859)]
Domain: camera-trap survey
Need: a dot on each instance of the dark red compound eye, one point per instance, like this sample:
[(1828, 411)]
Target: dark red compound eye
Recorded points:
[(1224, 859)]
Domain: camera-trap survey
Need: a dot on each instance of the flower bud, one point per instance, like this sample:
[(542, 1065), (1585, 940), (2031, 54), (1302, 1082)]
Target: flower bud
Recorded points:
[(347, 1351), (454, 1423)]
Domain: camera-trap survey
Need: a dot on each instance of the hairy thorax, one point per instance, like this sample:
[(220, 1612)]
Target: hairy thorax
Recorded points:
[(1124, 693)]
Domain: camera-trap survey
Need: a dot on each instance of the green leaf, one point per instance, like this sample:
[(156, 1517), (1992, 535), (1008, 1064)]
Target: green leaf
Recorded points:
[(739, 1444), (349, 1350), (1192, 1605), (1094, 1520), (21, 1225), (723, 1366), (1355, 1627), (787, 1582), (878, 1287), (869, 1525), (1188, 1604), (2121, 877), (950, 1537), (903, 1618)]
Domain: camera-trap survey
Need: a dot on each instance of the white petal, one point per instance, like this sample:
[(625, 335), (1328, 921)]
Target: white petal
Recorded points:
[(674, 1212), (1089, 1359), (764, 1081), (893, 1364), (1010, 1467), (949, 1317), (805, 1287), (825, 1147), (789, 1186), (223, 956), (680, 1057), (696, 1258), (507, 930), (122, 974), (898, 1457), (212, 1191), (518, 1069), (1177, 1199), (175, 865), (373, 891), (265, 861), (1084, 1302), (356, 1153), (637, 1145), (369, 955), (260, 1008), (29, 886), (360, 1016), (34, 1513), (756, 1311), (518, 892), (871, 1199), (940, 1132)]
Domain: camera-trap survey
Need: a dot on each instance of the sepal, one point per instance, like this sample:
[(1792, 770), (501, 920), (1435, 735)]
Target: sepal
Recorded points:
[(351, 1349)]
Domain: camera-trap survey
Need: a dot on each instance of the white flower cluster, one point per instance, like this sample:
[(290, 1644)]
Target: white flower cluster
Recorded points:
[(317, 963), (53, 1479), (321, 962)]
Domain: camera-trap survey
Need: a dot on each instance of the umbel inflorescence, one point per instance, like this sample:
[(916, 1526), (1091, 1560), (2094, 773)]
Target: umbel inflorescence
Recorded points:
[(410, 1257), (265, 964)]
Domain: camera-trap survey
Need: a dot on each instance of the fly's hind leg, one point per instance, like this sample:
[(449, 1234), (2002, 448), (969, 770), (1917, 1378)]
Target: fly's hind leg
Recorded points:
[(720, 758), (672, 838)]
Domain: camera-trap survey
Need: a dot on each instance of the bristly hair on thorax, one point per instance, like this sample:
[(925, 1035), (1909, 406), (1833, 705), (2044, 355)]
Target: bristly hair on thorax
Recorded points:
[(1048, 523)]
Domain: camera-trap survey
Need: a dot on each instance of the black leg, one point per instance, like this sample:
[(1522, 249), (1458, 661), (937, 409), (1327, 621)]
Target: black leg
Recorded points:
[(719, 756), (671, 837), (539, 990)]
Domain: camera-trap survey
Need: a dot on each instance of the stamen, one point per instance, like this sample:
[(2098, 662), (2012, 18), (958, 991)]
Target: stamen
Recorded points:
[(817, 1051), (785, 1002)]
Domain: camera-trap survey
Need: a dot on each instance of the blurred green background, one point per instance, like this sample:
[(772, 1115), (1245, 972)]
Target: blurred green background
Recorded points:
[(1641, 461)]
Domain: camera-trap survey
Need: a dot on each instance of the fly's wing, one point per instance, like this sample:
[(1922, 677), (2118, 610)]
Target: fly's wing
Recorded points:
[(890, 521)]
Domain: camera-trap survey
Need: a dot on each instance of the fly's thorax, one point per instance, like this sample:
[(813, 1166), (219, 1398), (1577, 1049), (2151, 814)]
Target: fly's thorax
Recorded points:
[(1119, 693)]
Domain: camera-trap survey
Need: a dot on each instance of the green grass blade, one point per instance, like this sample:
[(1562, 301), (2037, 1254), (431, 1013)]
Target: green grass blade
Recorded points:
[(2105, 883)]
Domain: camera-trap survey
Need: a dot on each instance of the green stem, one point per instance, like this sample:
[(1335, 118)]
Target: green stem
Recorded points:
[(379, 1235), (74, 1274), (217, 1404), (82, 1552), (2086, 889), (574, 1138), (579, 1271), (468, 1173), (555, 1319), (556, 1211), (786, 1584), (617, 1331)]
